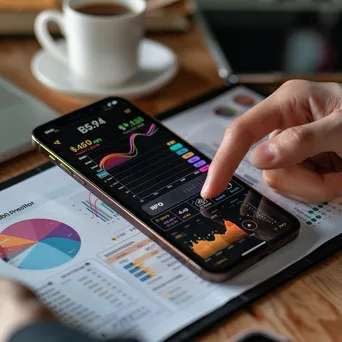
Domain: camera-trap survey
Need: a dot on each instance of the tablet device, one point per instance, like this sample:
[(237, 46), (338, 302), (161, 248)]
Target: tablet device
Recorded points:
[(269, 41), (20, 113)]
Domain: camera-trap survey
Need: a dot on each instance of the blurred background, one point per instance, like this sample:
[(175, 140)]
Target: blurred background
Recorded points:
[(259, 37), (17, 16), (259, 40)]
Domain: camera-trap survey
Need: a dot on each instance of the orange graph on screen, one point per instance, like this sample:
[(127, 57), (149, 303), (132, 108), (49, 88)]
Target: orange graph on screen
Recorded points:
[(207, 248)]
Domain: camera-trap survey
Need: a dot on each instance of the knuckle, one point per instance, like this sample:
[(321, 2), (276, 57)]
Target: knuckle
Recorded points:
[(292, 97), (295, 92), (237, 131), (232, 129), (296, 85), (299, 136)]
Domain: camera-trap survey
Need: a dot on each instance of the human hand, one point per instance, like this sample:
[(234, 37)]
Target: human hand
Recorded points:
[(19, 307), (302, 158)]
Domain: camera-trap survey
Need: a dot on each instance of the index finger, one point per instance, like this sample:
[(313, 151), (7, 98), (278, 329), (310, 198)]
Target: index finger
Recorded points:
[(283, 109)]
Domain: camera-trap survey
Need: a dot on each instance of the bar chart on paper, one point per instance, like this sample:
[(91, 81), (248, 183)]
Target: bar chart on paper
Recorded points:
[(142, 261), (138, 259), (106, 297)]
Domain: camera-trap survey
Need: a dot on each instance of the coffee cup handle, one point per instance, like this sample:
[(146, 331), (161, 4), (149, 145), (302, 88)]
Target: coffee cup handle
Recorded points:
[(43, 35)]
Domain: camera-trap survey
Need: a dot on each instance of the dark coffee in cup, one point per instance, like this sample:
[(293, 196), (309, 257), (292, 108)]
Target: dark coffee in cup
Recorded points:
[(104, 9)]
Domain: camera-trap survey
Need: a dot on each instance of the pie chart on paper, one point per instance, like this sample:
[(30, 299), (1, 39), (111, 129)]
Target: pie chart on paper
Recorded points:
[(38, 244)]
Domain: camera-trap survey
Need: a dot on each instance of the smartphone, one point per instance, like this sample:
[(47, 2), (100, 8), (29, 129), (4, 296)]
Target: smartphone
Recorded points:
[(153, 178)]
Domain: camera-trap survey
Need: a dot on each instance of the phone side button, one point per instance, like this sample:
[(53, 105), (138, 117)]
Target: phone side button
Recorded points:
[(64, 168), (79, 180)]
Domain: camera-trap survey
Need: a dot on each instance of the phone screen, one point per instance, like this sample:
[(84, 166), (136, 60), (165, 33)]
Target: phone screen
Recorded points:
[(158, 177)]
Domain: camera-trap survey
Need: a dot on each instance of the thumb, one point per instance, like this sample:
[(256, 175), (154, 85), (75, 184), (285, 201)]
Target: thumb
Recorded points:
[(295, 144)]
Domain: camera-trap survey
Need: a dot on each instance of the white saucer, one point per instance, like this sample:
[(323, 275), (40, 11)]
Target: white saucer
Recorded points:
[(158, 65)]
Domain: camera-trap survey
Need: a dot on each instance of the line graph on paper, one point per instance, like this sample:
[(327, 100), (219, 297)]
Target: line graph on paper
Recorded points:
[(94, 208)]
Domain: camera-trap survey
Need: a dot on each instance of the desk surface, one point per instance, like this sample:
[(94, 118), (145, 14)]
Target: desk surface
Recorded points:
[(307, 309)]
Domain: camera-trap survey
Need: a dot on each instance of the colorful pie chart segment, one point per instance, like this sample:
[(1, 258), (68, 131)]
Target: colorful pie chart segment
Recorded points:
[(38, 244)]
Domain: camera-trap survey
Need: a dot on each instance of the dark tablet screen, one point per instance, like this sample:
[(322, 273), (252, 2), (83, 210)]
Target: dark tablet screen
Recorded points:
[(274, 38)]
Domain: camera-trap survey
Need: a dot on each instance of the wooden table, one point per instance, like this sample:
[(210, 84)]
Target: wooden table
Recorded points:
[(307, 309)]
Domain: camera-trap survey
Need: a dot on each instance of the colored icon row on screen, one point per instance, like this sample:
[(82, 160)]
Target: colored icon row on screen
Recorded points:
[(188, 155)]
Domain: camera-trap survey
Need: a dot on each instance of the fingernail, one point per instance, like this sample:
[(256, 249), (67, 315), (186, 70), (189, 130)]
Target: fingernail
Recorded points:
[(262, 155), (205, 188)]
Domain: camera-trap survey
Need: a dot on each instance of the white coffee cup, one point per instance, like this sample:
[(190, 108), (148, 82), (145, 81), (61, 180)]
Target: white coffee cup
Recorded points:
[(102, 50)]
